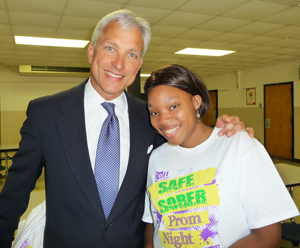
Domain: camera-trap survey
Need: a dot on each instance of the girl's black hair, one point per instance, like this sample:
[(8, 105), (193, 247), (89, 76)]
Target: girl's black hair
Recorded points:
[(182, 78)]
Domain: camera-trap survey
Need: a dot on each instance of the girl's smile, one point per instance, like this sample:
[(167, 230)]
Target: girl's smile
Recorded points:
[(173, 114)]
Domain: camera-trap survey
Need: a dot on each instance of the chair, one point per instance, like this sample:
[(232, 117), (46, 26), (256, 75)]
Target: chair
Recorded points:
[(291, 232), (2, 169)]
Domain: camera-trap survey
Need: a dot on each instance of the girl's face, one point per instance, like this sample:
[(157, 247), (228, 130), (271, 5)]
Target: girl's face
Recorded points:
[(173, 115)]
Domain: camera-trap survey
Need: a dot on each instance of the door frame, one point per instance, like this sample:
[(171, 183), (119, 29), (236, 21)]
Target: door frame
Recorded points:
[(217, 108), (292, 105)]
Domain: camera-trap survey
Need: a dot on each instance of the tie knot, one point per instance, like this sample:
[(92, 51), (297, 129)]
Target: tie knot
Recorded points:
[(109, 107)]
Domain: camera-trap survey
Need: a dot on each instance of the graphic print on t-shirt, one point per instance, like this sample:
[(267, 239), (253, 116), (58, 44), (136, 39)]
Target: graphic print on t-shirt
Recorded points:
[(186, 209)]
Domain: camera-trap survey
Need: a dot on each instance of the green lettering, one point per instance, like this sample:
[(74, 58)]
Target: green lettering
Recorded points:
[(190, 197), (172, 204), (180, 182), (200, 196), (164, 208), (162, 187), (172, 185), (189, 180), (181, 200)]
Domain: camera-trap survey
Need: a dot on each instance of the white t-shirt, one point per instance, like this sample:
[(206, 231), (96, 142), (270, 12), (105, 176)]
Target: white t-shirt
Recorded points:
[(213, 194)]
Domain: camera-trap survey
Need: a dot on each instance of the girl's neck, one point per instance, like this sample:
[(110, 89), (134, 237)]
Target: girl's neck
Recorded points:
[(203, 132)]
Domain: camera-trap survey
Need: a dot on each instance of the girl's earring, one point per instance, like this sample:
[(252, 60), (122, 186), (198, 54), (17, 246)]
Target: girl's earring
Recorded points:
[(198, 115)]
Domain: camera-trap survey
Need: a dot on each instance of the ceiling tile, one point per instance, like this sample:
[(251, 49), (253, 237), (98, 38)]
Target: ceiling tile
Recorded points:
[(68, 50), (212, 7), (180, 43), (7, 39), (90, 9), (32, 48), (156, 54), (257, 28), (2, 4), (74, 34), (237, 47), (210, 45), (53, 7), (165, 4), (184, 19), (200, 35), (263, 55), (3, 17), (78, 23), (231, 37), (6, 47), (112, 1), (287, 58), (33, 19), (166, 49), (261, 49), (255, 10), (165, 31), (287, 2), (155, 40), (152, 15), (285, 43), (287, 17), (5, 29), (287, 51), (259, 40), (223, 24), (34, 31), (285, 32)]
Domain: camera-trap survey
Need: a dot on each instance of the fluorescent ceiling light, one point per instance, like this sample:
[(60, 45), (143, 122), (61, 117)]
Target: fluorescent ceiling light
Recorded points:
[(204, 52), (145, 75), (36, 41)]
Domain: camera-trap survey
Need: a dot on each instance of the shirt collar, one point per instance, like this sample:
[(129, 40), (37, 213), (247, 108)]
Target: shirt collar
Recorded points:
[(93, 99)]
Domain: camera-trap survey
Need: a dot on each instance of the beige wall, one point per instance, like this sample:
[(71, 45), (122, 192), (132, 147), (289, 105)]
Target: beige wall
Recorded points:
[(16, 91), (232, 99)]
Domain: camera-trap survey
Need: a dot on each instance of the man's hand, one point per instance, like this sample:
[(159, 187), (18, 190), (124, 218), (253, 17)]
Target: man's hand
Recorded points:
[(232, 125)]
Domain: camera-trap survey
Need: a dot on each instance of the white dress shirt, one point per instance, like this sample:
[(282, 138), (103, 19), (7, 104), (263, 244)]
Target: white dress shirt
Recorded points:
[(95, 115)]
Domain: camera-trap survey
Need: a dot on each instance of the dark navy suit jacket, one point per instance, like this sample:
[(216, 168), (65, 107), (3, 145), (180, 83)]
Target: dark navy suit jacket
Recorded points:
[(54, 138)]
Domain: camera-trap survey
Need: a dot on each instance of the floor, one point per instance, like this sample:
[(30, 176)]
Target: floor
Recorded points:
[(38, 196)]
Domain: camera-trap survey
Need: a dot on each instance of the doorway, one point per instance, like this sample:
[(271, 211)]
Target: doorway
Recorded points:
[(279, 116), (212, 114)]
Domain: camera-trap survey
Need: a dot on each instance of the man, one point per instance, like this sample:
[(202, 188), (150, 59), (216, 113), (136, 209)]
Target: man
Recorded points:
[(61, 134)]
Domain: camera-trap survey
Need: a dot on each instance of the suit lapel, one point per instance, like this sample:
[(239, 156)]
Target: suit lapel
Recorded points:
[(73, 135)]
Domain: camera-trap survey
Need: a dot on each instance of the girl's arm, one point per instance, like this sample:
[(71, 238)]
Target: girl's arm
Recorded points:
[(148, 240), (265, 237)]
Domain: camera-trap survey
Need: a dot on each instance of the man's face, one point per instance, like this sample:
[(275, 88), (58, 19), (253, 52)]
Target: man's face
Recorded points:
[(115, 60)]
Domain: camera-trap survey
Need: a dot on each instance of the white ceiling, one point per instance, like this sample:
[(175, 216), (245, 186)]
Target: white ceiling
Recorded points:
[(265, 32)]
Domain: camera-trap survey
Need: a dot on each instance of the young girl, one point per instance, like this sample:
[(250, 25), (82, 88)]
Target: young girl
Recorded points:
[(204, 190)]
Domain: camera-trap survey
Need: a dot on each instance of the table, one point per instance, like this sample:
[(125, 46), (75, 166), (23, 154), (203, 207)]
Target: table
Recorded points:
[(289, 174), (6, 149)]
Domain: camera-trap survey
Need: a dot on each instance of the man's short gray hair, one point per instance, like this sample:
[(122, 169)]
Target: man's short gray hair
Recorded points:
[(127, 20)]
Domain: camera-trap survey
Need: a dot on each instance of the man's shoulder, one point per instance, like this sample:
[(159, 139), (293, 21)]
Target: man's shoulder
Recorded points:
[(137, 106), (74, 92)]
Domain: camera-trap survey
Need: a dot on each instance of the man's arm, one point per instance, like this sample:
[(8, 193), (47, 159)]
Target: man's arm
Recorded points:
[(265, 237), (148, 239), (231, 125)]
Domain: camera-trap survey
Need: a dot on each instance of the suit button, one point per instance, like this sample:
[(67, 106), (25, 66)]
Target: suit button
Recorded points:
[(108, 226)]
